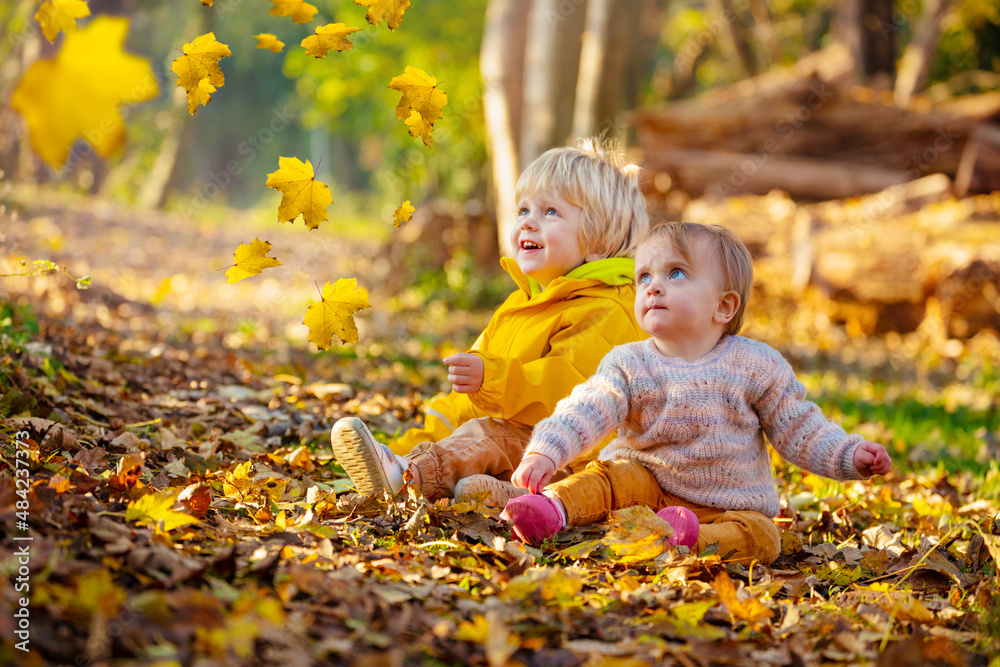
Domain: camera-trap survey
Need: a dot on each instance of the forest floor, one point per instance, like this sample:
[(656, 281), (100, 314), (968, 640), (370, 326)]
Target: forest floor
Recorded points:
[(166, 466)]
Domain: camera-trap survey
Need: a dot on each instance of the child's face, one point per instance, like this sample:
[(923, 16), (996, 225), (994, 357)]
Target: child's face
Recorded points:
[(546, 238), (676, 301)]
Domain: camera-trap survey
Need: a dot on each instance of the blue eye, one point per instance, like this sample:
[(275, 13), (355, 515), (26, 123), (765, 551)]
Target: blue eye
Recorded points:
[(522, 211), (551, 211), (644, 278), (677, 274)]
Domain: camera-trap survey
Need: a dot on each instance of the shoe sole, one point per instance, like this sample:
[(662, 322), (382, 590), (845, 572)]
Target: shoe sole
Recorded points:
[(358, 459), (499, 491)]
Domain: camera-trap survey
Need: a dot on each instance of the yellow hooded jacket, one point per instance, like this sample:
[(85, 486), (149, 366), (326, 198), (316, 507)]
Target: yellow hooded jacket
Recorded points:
[(539, 345)]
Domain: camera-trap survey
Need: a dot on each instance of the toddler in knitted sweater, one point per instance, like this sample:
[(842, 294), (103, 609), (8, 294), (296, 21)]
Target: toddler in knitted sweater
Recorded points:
[(692, 406)]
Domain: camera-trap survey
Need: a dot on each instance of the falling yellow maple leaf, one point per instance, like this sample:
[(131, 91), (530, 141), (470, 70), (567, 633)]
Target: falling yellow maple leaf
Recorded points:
[(201, 61), (78, 94), (60, 15), (402, 213), (330, 36), (266, 40), (207, 3), (200, 95), (420, 95), (301, 193), (389, 10), (300, 11), (154, 509), (333, 315), (198, 70), (419, 128), (250, 260)]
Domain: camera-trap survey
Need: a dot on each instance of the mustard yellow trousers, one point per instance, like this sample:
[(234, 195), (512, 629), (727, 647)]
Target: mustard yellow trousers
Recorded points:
[(603, 486)]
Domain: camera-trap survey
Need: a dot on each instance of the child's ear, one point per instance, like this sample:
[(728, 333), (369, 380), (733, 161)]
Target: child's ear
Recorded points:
[(594, 256), (726, 309)]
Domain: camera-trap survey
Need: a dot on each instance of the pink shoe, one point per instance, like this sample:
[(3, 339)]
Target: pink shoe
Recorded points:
[(533, 518), (684, 523)]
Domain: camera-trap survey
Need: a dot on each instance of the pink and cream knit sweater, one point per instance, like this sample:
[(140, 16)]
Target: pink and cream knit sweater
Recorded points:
[(699, 427)]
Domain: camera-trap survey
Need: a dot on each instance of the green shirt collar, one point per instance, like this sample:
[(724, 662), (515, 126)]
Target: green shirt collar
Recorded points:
[(611, 271)]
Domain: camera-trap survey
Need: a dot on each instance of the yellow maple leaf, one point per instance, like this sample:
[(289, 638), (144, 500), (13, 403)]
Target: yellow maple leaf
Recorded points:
[(60, 15), (300, 11), (637, 535), (330, 36), (389, 10), (198, 70), (403, 213), (300, 458), (301, 193), (266, 40), (154, 508), (333, 315), (207, 3), (200, 95), (250, 260), (420, 95), (241, 484), (238, 484), (78, 93), (750, 609), (419, 127)]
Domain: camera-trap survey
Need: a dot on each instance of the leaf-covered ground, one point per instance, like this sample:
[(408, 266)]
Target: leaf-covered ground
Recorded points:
[(184, 508)]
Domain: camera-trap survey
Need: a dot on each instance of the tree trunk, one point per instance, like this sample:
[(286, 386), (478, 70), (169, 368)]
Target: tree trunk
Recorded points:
[(176, 144), (847, 27), (540, 106), (552, 60), (617, 55), (501, 62), (879, 25), (770, 49), (553, 69), (868, 28), (917, 55), (13, 63), (593, 53), (734, 35)]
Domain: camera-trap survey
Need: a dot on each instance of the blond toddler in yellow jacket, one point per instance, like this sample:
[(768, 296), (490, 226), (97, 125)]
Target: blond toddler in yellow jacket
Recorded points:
[(693, 404), (580, 216)]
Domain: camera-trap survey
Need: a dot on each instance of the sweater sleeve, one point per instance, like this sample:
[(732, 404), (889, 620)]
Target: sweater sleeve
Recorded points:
[(581, 420), (527, 391), (796, 427)]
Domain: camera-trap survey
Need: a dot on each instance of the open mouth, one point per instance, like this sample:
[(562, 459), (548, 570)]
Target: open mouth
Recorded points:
[(530, 245)]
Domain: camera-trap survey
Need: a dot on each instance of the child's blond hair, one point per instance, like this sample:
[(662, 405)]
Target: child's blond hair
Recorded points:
[(733, 256), (595, 176)]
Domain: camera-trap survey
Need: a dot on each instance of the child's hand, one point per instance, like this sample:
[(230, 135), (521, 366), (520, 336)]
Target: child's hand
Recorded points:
[(465, 372), (870, 458), (534, 472)]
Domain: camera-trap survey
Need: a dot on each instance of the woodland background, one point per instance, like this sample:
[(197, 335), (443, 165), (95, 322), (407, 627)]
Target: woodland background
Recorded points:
[(183, 503)]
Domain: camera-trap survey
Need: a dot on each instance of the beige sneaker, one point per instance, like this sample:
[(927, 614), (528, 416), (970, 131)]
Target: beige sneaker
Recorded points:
[(497, 490), (372, 466)]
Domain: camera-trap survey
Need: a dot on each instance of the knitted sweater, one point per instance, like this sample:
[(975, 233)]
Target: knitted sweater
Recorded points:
[(699, 427)]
